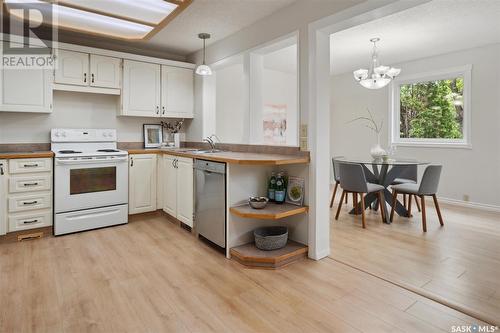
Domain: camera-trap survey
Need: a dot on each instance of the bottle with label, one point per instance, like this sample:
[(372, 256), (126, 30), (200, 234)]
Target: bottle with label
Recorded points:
[(280, 190), (271, 187)]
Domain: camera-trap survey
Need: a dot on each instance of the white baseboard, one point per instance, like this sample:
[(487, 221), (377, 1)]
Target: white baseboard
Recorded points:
[(474, 205)]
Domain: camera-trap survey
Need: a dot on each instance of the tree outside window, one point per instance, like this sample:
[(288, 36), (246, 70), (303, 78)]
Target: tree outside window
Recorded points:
[(432, 108)]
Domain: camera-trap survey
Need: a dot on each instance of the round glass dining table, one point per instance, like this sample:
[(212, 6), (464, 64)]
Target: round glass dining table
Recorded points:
[(382, 172)]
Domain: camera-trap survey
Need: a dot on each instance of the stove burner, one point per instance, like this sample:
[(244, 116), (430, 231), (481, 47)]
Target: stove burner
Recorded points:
[(108, 150), (69, 152)]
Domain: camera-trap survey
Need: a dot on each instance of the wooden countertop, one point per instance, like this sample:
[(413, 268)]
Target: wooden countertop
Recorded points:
[(231, 157), (32, 154)]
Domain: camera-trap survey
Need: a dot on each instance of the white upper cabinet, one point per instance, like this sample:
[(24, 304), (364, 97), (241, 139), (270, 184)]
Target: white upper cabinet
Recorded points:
[(141, 89), (177, 92), (105, 71), (72, 68), (25, 90)]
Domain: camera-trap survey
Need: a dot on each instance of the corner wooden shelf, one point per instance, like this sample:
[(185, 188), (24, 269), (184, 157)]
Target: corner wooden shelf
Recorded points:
[(249, 255), (271, 212)]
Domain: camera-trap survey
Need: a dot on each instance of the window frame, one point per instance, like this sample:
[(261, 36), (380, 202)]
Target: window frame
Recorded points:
[(394, 110)]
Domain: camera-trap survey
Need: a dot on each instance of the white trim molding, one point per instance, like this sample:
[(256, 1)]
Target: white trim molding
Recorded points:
[(394, 102), (468, 204)]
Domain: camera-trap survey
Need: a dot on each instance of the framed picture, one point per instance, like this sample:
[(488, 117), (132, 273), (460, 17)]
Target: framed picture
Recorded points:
[(295, 191), (153, 135)]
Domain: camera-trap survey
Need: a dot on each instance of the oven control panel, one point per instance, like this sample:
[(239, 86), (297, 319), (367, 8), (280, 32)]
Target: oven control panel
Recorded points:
[(82, 135)]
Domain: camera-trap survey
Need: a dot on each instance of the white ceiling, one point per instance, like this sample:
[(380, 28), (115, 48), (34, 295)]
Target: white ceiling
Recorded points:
[(220, 18), (437, 27)]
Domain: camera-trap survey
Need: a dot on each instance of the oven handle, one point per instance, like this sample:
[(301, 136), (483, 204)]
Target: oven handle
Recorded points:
[(97, 161)]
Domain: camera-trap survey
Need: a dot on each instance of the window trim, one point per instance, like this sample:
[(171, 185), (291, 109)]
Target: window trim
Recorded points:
[(394, 110)]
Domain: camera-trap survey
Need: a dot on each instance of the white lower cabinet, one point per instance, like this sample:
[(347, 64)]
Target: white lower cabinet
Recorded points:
[(178, 191), (3, 197), (142, 183), (29, 199)]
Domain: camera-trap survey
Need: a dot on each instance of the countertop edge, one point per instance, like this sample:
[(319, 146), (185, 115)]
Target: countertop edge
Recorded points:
[(283, 160), (17, 155)]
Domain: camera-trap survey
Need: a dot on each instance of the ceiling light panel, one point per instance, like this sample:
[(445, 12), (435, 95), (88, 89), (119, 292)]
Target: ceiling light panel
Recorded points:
[(150, 12), (123, 19)]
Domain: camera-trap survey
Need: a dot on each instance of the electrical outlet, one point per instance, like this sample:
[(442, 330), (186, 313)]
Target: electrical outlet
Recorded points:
[(303, 143), (303, 131), (466, 197)]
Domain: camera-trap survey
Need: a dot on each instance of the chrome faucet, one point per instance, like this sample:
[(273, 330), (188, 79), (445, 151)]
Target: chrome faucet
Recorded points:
[(210, 142)]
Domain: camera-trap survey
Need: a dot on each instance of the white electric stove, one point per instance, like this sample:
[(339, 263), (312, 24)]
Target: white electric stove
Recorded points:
[(90, 180)]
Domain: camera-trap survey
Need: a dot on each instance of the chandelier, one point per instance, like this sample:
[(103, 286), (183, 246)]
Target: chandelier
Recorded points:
[(377, 76)]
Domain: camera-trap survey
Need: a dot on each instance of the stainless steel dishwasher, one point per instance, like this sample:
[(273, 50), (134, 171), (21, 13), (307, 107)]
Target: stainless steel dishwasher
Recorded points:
[(210, 203)]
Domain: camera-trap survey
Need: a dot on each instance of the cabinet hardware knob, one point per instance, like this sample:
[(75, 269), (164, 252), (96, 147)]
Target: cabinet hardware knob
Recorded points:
[(84, 77), (30, 202), (30, 221), (30, 184), (131, 161), (92, 77), (30, 165)]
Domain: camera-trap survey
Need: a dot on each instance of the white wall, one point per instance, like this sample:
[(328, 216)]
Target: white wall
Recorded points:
[(72, 110), (295, 17), (474, 172)]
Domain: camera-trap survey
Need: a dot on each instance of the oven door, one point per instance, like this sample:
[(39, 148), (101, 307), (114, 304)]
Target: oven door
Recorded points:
[(90, 183)]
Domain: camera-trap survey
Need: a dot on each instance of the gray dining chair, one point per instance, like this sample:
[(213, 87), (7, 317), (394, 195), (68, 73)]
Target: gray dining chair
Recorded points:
[(428, 186), (353, 180), (336, 176), (408, 174)]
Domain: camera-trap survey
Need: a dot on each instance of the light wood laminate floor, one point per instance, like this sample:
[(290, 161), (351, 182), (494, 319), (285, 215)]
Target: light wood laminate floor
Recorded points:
[(153, 276), (459, 262)]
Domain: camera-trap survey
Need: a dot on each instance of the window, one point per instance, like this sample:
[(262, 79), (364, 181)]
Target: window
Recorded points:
[(432, 109), (252, 98)]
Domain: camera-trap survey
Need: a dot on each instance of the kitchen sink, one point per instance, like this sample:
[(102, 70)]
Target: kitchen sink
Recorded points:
[(208, 151)]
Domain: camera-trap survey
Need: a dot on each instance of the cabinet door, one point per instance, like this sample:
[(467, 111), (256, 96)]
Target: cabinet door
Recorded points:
[(105, 71), (177, 92), (3, 197), (170, 186), (142, 183), (72, 68), (185, 191), (141, 89), (26, 90)]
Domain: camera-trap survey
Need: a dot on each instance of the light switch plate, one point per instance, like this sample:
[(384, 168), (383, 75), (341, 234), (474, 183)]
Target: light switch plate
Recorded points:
[(303, 143), (303, 131)]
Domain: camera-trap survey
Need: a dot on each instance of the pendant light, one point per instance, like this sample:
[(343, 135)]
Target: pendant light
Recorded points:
[(377, 76), (203, 69)]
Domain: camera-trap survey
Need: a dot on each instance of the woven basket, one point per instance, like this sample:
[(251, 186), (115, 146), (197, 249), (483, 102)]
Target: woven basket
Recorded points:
[(270, 238)]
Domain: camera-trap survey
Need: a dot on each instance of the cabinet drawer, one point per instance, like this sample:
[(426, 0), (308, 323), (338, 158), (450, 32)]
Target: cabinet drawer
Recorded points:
[(30, 202), (23, 221), (41, 182), (30, 165)]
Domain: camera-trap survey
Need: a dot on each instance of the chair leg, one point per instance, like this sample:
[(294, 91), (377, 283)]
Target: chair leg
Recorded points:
[(334, 193), (418, 204), (409, 205), (381, 200), (355, 202), (394, 199), (424, 221), (404, 201), (346, 199), (340, 205), (436, 204), (363, 210)]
